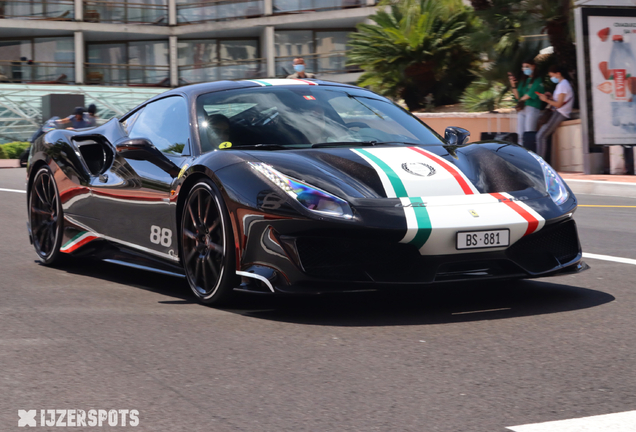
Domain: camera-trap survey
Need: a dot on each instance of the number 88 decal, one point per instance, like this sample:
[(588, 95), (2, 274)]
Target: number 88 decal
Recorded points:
[(162, 236)]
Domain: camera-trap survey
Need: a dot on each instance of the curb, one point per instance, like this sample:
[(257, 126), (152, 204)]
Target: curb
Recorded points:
[(592, 187)]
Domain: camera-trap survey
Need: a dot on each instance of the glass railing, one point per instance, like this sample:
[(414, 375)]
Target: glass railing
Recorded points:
[(301, 6), (224, 70), (54, 10), (37, 72), (126, 12), (334, 62), (218, 10), (128, 75)]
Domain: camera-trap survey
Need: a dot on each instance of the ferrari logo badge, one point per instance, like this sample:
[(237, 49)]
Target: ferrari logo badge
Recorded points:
[(473, 213)]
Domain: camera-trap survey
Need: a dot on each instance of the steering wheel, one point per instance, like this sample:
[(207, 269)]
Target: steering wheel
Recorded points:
[(360, 125)]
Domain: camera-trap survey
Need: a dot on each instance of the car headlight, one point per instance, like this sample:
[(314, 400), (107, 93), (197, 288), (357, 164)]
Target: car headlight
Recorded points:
[(310, 197), (553, 182)]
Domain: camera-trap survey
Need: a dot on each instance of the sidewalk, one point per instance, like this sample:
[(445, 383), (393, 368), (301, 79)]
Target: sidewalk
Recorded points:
[(609, 185)]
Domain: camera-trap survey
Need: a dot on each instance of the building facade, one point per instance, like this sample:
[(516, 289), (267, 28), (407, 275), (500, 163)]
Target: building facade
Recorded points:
[(168, 43)]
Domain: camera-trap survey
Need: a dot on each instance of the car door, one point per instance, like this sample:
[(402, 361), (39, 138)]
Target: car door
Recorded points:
[(137, 205)]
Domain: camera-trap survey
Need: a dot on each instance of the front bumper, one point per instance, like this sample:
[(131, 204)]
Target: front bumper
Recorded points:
[(313, 264)]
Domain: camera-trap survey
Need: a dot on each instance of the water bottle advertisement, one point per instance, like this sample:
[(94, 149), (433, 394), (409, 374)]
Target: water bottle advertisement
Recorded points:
[(612, 45)]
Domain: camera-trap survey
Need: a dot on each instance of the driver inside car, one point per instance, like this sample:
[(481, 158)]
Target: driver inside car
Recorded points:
[(218, 131)]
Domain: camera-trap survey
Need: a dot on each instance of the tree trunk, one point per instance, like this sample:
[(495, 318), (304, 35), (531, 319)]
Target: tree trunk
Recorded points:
[(559, 34)]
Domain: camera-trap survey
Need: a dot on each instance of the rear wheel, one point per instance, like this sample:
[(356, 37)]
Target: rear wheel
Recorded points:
[(207, 251), (45, 217)]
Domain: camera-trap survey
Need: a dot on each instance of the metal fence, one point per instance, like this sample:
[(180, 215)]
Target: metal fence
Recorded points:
[(223, 70), (37, 72), (127, 75), (61, 10), (320, 63), (218, 10), (126, 12)]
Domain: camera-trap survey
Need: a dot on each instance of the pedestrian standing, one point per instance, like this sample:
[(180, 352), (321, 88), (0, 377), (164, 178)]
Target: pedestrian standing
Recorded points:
[(528, 103), (561, 105)]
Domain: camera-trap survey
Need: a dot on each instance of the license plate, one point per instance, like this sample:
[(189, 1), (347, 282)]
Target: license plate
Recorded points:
[(483, 239)]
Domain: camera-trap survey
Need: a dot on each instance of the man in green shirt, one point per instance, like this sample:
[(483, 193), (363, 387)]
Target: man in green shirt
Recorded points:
[(524, 91)]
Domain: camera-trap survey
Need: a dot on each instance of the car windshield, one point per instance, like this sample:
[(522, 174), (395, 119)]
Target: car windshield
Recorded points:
[(301, 116)]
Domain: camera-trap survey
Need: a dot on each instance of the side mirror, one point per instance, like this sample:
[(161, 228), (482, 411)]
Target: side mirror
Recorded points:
[(456, 136), (143, 149)]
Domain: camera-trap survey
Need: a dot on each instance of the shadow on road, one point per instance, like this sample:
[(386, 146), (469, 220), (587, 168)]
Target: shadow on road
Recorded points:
[(448, 303)]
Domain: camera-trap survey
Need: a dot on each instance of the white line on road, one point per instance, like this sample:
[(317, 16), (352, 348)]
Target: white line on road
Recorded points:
[(12, 190), (619, 422), (480, 311), (610, 258)]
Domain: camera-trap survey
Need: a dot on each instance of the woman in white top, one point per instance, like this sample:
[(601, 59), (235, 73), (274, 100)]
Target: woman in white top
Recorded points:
[(561, 104)]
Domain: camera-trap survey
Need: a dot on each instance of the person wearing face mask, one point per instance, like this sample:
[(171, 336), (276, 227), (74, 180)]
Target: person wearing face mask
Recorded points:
[(299, 68), (561, 105), (528, 103)]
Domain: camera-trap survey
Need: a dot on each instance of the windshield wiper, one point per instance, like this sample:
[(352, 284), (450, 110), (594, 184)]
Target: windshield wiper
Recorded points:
[(261, 147), (345, 143), (358, 143)]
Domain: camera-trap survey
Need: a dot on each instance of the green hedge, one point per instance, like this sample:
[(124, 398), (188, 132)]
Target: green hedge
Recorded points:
[(12, 150)]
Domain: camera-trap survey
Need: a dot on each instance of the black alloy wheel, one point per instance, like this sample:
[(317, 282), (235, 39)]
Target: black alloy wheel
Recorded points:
[(207, 251), (45, 217)]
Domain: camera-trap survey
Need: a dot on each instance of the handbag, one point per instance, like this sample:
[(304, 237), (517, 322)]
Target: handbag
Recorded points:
[(520, 105)]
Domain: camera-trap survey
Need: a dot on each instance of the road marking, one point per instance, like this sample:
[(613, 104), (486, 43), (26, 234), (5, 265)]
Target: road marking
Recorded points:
[(609, 258), (612, 206), (480, 311), (12, 190), (619, 422)]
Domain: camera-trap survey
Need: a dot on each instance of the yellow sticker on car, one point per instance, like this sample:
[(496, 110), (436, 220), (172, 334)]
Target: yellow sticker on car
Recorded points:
[(225, 145)]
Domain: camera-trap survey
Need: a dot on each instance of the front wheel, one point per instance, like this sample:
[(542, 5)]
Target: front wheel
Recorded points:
[(206, 245), (45, 217)]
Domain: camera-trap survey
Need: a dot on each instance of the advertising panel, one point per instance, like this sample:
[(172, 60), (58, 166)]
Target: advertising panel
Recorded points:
[(612, 55)]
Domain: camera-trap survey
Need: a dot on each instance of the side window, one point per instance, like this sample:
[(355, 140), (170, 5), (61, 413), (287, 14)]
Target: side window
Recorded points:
[(130, 121), (165, 123)]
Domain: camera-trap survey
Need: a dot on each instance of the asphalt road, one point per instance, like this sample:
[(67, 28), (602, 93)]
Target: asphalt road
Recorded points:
[(476, 357)]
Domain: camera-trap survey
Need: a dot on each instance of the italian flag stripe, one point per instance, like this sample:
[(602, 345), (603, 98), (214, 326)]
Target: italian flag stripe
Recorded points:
[(418, 222), (396, 182), (263, 83), (533, 222), (423, 224), (79, 240), (448, 167)]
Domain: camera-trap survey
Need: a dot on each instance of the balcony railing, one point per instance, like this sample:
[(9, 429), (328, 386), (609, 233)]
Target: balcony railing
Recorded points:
[(223, 70), (37, 72), (54, 10), (125, 12), (303, 6), (319, 63), (128, 75), (218, 10)]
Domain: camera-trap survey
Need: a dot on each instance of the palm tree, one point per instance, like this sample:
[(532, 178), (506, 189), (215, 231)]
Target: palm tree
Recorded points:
[(416, 48)]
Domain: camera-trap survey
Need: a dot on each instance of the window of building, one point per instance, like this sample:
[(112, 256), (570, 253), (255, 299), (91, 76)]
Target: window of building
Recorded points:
[(324, 51), (211, 60), (165, 123), (40, 60), (128, 63)]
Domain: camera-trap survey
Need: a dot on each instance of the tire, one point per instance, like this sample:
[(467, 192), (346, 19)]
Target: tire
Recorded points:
[(206, 246), (46, 218)]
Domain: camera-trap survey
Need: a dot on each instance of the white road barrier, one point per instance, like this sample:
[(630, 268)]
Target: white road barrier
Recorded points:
[(619, 422)]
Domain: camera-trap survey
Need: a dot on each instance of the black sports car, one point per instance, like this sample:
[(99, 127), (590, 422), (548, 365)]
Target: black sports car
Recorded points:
[(294, 186)]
